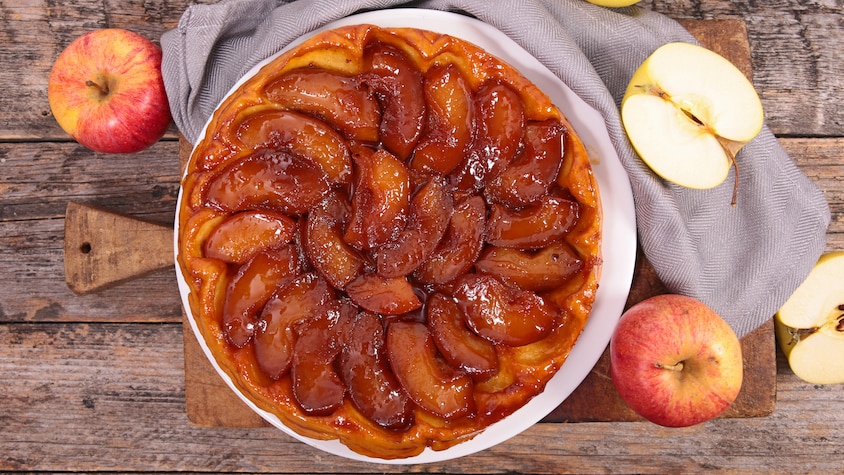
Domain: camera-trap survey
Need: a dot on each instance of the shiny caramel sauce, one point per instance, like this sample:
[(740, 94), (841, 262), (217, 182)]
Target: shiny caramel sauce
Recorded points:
[(397, 248)]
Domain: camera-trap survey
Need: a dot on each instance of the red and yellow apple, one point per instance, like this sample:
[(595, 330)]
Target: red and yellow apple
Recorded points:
[(810, 324), (106, 91), (687, 112), (675, 361)]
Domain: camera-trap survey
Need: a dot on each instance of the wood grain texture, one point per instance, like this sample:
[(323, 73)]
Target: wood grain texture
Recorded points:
[(110, 397), (805, 37), (103, 249), (97, 384)]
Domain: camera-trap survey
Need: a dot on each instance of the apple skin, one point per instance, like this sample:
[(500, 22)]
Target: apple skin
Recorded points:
[(106, 91), (675, 361), (613, 3), (810, 324)]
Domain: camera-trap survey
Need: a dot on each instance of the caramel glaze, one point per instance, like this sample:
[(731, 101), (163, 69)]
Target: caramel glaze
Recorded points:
[(420, 240)]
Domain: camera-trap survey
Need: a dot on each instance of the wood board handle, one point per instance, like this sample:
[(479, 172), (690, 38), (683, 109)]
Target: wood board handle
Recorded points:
[(103, 248)]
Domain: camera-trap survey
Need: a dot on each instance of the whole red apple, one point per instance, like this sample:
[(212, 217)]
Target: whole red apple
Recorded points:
[(106, 91), (675, 361)]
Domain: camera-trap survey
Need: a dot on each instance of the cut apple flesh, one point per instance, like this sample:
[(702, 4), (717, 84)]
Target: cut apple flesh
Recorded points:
[(251, 288), (449, 134), (333, 258), (294, 302), (316, 385), (365, 369), (687, 112), (694, 158), (339, 100), (303, 136), (413, 357), (380, 201), (241, 236), (816, 300), (816, 358), (430, 212), (400, 93), (266, 180), (810, 325)]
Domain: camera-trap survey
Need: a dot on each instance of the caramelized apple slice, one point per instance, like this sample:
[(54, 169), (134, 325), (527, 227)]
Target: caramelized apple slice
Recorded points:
[(503, 314), (430, 211), (533, 227), (430, 383), (301, 135), (460, 247), (365, 369), (460, 347), (316, 385), (323, 241), (301, 298), (340, 100), (252, 287), (398, 87), (380, 200), (267, 180), (531, 175), (546, 269), (500, 124), (451, 113), (387, 296), (242, 235)]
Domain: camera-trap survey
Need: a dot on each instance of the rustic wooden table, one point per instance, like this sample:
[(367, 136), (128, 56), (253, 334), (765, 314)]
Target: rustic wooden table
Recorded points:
[(97, 382)]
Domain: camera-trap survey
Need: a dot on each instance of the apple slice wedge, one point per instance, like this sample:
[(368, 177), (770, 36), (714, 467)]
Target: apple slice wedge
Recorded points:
[(810, 325), (687, 112)]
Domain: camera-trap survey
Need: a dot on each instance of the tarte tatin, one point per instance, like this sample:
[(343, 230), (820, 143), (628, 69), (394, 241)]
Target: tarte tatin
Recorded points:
[(391, 238)]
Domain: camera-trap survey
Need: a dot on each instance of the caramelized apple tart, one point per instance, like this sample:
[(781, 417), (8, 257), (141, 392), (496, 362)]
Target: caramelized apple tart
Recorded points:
[(390, 237)]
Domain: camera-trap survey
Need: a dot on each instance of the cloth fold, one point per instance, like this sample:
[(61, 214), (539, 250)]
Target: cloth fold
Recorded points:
[(742, 261)]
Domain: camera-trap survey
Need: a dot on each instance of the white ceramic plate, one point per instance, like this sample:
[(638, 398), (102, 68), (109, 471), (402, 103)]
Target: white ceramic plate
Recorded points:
[(619, 232)]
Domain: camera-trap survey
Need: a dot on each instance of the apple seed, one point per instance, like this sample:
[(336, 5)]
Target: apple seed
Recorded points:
[(727, 145)]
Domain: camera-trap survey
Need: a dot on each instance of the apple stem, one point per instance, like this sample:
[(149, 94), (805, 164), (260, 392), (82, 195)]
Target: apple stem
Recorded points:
[(735, 168), (102, 88), (674, 367), (799, 334)]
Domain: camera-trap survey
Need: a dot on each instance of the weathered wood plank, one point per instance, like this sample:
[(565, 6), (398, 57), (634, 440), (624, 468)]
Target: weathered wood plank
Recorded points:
[(34, 288), (116, 394), (802, 101), (46, 176), (40, 178)]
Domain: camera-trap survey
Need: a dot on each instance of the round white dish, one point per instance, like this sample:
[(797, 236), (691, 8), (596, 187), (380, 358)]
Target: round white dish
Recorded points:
[(618, 246)]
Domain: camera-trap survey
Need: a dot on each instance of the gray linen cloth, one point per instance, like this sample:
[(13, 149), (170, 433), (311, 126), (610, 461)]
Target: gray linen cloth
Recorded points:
[(742, 261)]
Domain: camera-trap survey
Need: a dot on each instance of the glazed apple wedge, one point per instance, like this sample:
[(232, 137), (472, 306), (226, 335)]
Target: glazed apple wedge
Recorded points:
[(810, 325), (688, 111)]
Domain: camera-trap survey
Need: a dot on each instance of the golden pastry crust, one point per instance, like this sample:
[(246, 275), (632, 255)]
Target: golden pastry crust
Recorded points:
[(345, 153)]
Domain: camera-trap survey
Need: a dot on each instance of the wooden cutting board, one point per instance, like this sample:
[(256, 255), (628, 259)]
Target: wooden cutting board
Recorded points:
[(93, 236)]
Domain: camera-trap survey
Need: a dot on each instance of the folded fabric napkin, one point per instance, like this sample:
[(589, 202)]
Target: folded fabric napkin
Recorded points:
[(743, 261)]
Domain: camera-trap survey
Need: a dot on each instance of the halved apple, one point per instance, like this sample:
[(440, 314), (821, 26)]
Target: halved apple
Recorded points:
[(810, 325), (688, 111)]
